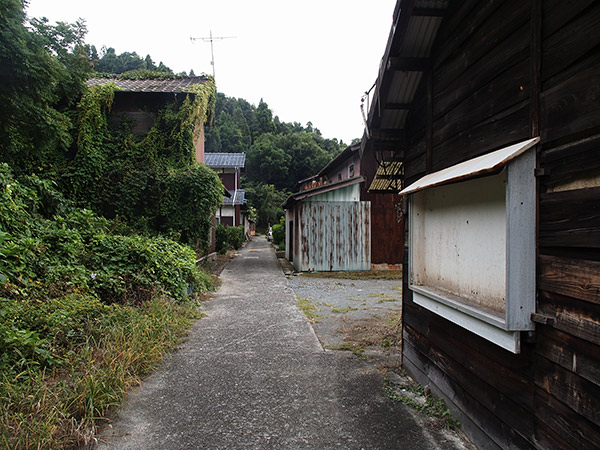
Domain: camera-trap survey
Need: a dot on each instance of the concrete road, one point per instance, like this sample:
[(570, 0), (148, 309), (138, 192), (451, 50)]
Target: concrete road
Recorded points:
[(252, 375)]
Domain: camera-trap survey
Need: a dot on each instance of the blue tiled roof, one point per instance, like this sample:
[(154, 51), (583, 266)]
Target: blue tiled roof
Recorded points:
[(225, 159), (237, 197)]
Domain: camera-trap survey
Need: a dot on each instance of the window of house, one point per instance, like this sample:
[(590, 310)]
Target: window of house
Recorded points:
[(339, 177), (351, 171), (472, 243)]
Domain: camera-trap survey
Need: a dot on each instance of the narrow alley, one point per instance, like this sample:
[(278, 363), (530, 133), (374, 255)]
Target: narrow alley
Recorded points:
[(253, 375)]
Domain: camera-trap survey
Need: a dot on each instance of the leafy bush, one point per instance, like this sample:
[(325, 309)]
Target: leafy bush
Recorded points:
[(81, 252), (279, 232), (235, 236), (228, 238)]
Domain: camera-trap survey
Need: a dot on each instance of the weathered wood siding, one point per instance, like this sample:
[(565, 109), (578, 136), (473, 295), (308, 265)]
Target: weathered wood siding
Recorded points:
[(333, 236), (503, 71), (387, 229)]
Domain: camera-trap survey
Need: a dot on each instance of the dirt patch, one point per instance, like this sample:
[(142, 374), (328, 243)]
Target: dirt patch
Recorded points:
[(215, 265), (379, 332), (361, 314), (359, 275)]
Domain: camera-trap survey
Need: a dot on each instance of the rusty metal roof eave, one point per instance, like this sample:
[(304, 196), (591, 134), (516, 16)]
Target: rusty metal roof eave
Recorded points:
[(322, 189), (472, 168)]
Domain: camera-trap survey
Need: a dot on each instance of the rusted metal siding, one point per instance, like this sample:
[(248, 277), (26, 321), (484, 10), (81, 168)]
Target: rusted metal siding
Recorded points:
[(333, 236)]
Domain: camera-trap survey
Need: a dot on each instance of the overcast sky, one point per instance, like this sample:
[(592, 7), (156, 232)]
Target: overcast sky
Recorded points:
[(310, 60)]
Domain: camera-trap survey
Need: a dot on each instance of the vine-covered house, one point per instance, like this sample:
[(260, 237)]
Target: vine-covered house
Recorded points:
[(140, 100), (140, 143), (495, 107)]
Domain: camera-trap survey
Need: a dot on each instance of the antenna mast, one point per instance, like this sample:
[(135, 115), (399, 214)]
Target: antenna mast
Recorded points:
[(210, 39)]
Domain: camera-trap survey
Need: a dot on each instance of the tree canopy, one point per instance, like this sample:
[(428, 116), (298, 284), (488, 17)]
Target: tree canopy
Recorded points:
[(42, 76), (110, 62), (278, 154)]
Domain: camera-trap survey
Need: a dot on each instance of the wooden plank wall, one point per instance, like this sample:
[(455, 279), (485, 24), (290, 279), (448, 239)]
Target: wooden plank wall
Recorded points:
[(484, 79), (387, 229)]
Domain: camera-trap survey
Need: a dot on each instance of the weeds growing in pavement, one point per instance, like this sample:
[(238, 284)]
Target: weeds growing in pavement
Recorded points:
[(309, 309), (418, 397)]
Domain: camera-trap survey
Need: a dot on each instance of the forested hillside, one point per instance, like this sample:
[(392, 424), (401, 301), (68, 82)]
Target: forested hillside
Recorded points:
[(278, 154)]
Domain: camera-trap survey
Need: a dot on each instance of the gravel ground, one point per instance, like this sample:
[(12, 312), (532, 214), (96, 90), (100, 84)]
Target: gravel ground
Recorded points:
[(362, 316)]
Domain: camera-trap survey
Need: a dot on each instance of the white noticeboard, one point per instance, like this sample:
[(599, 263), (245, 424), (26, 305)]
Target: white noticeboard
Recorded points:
[(472, 243)]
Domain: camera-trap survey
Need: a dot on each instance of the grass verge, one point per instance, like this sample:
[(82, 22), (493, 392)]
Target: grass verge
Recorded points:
[(61, 406)]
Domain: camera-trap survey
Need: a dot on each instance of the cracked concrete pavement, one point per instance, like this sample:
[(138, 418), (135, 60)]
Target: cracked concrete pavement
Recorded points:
[(252, 375)]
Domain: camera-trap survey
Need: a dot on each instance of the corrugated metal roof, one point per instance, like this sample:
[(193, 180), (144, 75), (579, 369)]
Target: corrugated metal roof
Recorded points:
[(225, 159), (477, 166), (175, 85), (410, 37), (322, 189), (387, 178)]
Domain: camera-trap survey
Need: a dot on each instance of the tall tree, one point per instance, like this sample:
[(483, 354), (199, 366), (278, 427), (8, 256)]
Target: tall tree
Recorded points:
[(42, 73)]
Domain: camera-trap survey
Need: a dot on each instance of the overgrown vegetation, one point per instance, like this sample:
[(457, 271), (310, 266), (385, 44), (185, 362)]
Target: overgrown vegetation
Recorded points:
[(228, 238), (86, 307), (95, 281), (152, 182)]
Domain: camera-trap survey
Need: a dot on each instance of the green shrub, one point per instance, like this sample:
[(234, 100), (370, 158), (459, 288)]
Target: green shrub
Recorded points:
[(221, 238), (81, 252), (235, 236), (279, 232), (228, 238)]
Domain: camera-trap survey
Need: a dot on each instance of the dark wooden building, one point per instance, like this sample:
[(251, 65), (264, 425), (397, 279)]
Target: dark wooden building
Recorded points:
[(496, 107)]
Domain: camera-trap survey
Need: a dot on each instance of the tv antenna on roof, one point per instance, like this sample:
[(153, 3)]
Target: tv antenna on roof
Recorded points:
[(211, 39)]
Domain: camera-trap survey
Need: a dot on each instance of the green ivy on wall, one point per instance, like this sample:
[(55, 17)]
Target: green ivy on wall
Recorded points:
[(154, 182)]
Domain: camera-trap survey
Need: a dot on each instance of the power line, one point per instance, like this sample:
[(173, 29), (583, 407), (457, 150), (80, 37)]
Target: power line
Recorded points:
[(211, 39)]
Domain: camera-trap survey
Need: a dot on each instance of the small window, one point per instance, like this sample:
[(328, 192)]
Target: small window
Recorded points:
[(339, 177), (472, 243), (351, 171)]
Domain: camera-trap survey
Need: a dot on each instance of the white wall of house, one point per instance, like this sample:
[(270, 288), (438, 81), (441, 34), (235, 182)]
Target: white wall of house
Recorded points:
[(226, 211)]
